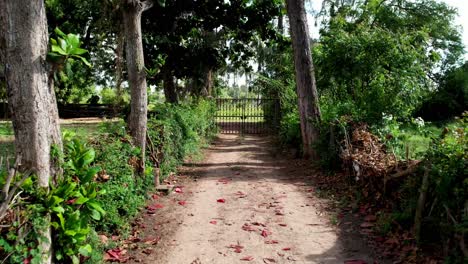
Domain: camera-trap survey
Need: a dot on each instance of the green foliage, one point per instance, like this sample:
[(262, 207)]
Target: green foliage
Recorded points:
[(123, 188), (6, 129), (290, 129), (73, 202), (109, 96), (451, 97), (66, 47), (72, 81), (447, 158), (378, 57), (179, 130)]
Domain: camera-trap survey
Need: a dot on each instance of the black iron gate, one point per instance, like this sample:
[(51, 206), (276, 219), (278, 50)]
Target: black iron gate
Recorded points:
[(247, 115)]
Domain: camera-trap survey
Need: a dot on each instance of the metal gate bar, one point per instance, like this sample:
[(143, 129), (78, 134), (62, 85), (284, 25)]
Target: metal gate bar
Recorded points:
[(247, 115)]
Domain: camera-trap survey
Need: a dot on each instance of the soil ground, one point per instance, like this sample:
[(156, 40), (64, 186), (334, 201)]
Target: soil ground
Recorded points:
[(270, 213)]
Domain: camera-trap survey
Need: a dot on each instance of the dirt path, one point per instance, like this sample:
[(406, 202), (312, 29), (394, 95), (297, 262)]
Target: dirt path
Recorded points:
[(271, 214)]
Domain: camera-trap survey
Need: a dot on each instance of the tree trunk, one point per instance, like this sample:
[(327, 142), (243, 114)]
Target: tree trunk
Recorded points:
[(31, 96), (170, 88), (207, 86), (137, 121), (309, 110)]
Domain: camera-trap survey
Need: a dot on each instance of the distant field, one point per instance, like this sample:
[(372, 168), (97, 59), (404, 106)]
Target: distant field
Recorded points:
[(83, 127)]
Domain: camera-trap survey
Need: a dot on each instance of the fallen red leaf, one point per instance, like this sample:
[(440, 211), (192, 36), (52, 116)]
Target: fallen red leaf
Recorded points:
[(265, 233), (178, 190), (182, 203), (282, 224), (224, 180), (286, 248), (269, 260), (258, 224), (155, 196), (115, 255), (213, 222), (271, 242), (237, 248), (152, 208), (221, 200), (247, 258)]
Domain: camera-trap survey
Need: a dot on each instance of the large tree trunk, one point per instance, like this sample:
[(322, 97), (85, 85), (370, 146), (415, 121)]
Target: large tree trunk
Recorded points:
[(137, 121), (207, 85), (31, 97), (170, 87), (309, 110)]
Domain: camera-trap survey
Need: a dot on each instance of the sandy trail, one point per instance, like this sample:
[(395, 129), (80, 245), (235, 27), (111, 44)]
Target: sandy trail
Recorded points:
[(259, 194)]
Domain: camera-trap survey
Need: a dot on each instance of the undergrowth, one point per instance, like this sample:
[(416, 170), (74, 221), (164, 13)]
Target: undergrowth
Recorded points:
[(101, 193)]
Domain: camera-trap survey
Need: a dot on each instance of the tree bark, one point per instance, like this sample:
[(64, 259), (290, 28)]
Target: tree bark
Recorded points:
[(137, 121), (31, 96), (169, 87), (207, 86), (308, 104)]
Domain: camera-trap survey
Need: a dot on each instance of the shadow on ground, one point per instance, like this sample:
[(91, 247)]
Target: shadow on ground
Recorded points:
[(264, 161)]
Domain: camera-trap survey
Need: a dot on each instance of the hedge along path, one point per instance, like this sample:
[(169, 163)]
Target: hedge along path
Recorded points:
[(249, 207)]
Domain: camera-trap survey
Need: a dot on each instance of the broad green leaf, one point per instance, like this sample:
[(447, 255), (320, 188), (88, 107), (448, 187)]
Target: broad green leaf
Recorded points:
[(95, 215), (58, 209), (81, 200), (78, 51), (70, 232), (75, 260), (88, 157), (62, 220), (59, 32), (63, 45), (73, 40), (58, 49), (85, 250), (95, 205)]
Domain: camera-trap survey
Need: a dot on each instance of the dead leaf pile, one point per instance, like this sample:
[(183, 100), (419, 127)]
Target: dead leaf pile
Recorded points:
[(366, 153)]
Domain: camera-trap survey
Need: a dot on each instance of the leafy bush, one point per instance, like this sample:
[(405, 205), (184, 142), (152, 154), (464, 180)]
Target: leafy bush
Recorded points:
[(179, 130), (72, 204), (290, 130), (448, 190), (126, 192), (451, 97), (175, 130)]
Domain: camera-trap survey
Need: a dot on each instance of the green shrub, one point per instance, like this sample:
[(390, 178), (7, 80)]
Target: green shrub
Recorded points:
[(72, 204), (290, 130), (448, 190), (125, 192), (179, 130)]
